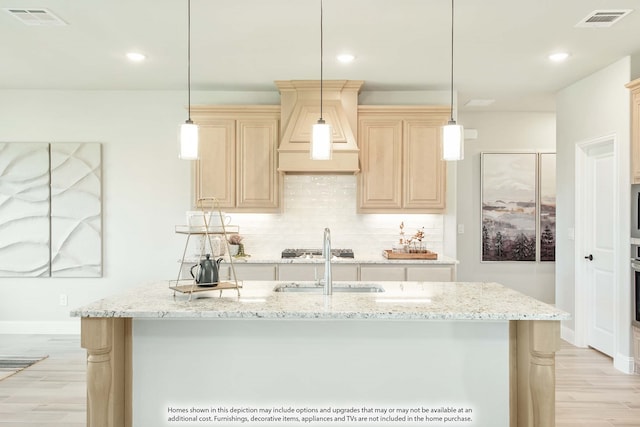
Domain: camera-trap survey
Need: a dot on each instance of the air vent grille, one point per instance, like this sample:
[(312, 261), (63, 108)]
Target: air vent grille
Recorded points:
[(35, 16), (603, 18)]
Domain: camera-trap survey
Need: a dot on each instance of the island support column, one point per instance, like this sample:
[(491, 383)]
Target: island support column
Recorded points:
[(534, 344), (108, 345)]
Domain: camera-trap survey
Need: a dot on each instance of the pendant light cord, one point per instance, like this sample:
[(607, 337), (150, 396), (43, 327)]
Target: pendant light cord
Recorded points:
[(189, 57), (321, 55), (452, 61)]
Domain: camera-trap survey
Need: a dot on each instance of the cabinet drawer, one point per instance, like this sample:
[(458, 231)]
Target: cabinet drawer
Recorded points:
[(252, 271), (382, 273), (300, 271), (430, 274), (316, 272)]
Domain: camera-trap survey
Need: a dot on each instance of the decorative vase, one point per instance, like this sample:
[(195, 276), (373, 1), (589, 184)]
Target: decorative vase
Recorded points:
[(233, 249)]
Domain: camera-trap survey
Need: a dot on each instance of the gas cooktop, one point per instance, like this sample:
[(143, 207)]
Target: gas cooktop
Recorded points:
[(300, 253)]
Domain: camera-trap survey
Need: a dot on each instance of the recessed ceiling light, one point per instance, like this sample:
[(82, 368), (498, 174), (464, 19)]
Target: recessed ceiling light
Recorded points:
[(136, 57), (345, 58), (558, 57)]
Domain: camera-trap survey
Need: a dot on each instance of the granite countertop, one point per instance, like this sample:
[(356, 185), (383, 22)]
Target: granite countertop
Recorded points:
[(442, 260), (400, 301)]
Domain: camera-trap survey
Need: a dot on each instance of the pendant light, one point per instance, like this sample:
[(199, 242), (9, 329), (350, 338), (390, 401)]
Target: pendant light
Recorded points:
[(452, 133), (321, 143), (188, 130)]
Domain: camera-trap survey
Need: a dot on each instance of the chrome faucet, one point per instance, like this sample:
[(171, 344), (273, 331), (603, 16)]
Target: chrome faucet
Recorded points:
[(326, 253)]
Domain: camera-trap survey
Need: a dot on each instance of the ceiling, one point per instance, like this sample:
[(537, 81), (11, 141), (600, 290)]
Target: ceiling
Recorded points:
[(501, 46)]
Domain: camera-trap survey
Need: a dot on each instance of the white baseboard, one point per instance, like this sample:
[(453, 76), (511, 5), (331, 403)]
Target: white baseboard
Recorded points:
[(568, 335), (32, 327), (624, 363)]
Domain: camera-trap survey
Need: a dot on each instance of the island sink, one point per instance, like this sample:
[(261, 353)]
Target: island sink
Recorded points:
[(292, 287)]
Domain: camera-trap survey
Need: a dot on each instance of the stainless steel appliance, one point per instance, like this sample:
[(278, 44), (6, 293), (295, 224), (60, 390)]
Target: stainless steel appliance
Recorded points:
[(635, 285), (635, 211), (302, 253)]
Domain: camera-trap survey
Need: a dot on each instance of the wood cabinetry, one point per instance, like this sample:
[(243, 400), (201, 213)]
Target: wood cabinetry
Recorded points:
[(252, 271), (634, 87), (316, 271), (386, 273), (430, 274), (410, 272), (401, 159), (238, 157)]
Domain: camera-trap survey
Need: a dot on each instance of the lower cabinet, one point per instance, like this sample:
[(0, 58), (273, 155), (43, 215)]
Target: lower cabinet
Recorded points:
[(252, 271), (430, 274), (316, 271), (382, 273), (339, 271)]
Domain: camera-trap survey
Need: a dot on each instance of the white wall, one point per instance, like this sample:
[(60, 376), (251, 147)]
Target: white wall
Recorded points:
[(593, 107), (499, 132), (146, 191)]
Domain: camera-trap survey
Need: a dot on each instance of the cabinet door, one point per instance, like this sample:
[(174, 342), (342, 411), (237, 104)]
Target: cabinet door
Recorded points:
[(215, 170), (381, 161), (424, 173), (344, 272), (430, 274), (315, 271), (382, 273), (257, 178), (300, 271), (253, 271)]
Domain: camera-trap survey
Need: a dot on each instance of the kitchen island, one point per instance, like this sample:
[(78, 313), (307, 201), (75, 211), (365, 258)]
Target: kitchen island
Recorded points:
[(480, 348)]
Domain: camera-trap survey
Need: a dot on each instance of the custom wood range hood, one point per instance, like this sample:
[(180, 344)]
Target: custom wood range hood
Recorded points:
[(300, 109)]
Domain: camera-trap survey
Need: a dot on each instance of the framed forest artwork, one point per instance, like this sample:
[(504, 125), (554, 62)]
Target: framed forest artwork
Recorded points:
[(509, 206), (518, 207), (547, 205)]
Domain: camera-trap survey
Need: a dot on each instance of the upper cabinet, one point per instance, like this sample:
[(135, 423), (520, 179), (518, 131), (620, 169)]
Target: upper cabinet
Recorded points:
[(401, 159), (238, 157), (634, 86)]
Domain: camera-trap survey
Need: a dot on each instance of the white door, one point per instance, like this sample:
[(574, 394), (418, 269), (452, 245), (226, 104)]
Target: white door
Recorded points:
[(599, 229)]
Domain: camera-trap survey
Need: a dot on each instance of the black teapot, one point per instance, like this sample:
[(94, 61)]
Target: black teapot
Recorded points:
[(208, 272)]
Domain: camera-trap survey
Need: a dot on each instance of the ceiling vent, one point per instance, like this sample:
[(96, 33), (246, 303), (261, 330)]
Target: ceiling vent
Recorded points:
[(35, 17), (603, 18)]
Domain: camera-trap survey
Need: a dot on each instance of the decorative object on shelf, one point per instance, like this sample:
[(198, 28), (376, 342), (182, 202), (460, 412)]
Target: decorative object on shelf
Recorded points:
[(452, 133), (208, 271), (208, 275), (321, 137), (236, 248), (189, 130), (413, 244)]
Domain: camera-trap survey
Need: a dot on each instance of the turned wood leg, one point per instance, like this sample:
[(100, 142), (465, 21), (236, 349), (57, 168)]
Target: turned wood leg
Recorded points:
[(544, 341), (533, 380), (542, 380), (98, 386), (108, 345)]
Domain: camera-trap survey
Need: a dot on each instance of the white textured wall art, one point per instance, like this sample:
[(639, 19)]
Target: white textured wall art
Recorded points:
[(24, 210), (76, 210)]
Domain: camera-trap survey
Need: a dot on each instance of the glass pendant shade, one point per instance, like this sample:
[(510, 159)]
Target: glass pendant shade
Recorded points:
[(453, 141), (188, 141), (321, 141)]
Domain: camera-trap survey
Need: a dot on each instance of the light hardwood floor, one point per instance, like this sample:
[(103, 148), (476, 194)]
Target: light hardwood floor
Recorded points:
[(589, 391)]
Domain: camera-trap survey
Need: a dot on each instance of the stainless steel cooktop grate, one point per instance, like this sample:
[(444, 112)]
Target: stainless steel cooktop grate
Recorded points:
[(297, 253)]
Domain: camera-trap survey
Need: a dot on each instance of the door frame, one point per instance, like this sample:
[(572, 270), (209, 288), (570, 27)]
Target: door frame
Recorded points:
[(583, 197)]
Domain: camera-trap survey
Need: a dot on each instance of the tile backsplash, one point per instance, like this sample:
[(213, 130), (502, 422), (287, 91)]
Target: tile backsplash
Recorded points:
[(313, 202)]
